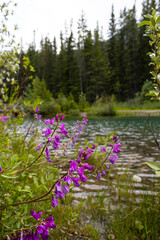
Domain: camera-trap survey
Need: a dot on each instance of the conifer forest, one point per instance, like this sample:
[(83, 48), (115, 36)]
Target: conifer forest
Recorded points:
[(92, 65)]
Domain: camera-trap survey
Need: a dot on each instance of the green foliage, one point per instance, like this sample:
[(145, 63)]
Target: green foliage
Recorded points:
[(141, 96), (38, 94), (66, 103), (153, 32), (133, 218), (39, 90), (154, 166), (16, 186), (82, 102), (104, 107), (9, 62)]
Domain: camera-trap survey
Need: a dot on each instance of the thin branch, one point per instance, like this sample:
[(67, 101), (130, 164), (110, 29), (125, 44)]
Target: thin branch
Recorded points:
[(151, 129)]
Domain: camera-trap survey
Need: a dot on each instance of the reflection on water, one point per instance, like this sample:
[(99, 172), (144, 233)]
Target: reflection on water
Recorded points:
[(138, 146)]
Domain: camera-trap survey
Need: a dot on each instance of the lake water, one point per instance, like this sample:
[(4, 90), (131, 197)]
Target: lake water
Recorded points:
[(138, 146)]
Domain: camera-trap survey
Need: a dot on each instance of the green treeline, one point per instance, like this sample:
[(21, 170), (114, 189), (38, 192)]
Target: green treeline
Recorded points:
[(93, 66)]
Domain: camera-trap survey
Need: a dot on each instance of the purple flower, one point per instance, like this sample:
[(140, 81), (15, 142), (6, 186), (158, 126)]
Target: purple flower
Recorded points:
[(38, 147), (107, 166), (113, 159), (50, 139), (47, 121), (47, 132), (58, 186), (37, 110), (57, 138), (41, 229), (36, 215), (62, 117), (68, 179), (81, 175), (103, 149), (49, 222), (57, 117), (77, 122), (65, 189), (87, 166), (52, 120), (63, 130), (58, 191), (73, 166), (103, 172), (59, 194), (85, 121), (74, 140), (47, 155), (87, 154), (93, 146), (38, 117), (115, 138), (75, 181), (0, 169), (3, 118), (80, 152), (99, 176), (116, 148), (56, 144), (54, 202)]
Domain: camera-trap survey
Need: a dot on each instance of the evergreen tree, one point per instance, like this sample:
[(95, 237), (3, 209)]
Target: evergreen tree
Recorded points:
[(54, 69), (71, 71), (99, 76), (61, 67), (88, 68), (111, 51), (82, 33)]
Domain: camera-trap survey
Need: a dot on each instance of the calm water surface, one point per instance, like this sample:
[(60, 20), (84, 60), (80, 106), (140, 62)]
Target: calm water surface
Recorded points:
[(138, 146)]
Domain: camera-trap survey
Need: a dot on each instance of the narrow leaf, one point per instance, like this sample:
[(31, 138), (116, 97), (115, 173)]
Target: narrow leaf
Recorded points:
[(153, 165), (144, 23)]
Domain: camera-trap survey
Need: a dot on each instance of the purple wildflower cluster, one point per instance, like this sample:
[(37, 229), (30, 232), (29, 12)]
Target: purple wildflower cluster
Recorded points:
[(115, 148), (41, 230), (75, 174), (77, 130), (3, 119), (36, 115), (53, 137)]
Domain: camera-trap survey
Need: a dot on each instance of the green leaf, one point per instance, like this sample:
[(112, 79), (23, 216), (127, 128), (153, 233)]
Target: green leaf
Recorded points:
[(138, 225), (144, 23), (9, 200), (153, 165), (153, 21), (158, 19), (42, 180), (147, 16), (157, 173), (11, 177)]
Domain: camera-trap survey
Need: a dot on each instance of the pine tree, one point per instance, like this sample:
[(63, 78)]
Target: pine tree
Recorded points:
[(61, 67), (82, 33), (71, 71), (111, 51), (100, 71)]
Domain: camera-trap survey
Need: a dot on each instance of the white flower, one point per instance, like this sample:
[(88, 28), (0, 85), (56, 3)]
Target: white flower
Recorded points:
[(136, 178)]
